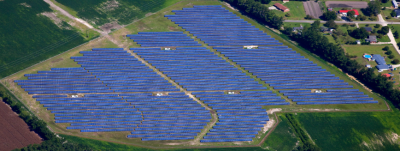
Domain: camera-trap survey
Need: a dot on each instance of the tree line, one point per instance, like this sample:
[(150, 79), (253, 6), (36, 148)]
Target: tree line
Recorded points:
[(258, 11), (306, 143), (312, 40), (50, 140)]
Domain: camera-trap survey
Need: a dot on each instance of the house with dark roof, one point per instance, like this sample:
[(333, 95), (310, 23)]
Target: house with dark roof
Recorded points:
[(324, 29), (298, 29), (281, 7), (397, 11), (371, 39), (369, 29), (382, 66)]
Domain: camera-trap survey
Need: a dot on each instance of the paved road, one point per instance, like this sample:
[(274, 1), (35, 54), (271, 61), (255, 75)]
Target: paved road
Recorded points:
[(380, 21), (341, 22)]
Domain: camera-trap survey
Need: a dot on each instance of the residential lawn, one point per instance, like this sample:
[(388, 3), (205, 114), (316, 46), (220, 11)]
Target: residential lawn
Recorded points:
[(386, 13), (296, 24), (344, 29), (353, 131), (347, 0), (384, 39), (330, 38), (387, 4), (395, 28), (296, 8), (359, 50)]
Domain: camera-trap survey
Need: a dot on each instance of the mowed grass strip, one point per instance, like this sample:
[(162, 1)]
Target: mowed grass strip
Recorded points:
[(353, 131)]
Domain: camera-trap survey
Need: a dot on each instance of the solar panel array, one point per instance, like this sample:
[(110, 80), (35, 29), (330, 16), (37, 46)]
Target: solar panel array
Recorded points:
[(149, 117), (198, 69), (163, 39), (117, 88), (216, 26), (103, 70), (240, 116)]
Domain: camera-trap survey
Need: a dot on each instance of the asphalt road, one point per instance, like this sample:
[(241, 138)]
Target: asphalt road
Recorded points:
[(341, 22)]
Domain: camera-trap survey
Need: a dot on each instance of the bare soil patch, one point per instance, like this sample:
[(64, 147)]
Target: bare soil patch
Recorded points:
[(24, 4), (53, 18), (14, 132), (107, 27), (57, 60)]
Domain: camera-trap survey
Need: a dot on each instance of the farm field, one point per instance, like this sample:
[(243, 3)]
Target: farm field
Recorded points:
[(28, 36), (353, 131), (158, 22), (100, 12), (14, 131), (282, 138)]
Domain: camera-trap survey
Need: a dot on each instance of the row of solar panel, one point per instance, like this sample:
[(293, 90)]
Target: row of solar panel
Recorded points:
[(333, 99), (338, 102)]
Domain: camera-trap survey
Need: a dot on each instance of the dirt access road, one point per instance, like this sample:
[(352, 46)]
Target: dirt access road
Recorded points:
[(14, 132), (65, 13)]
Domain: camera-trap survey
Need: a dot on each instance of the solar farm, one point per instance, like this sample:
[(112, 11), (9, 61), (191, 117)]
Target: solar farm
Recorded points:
[(211, 83)]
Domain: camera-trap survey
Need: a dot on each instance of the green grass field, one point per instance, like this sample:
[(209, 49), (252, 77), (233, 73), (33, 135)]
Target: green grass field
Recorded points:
[(395, 28), (27, 37), (100, 12), (353, 131), (282, 138), (296, 12)]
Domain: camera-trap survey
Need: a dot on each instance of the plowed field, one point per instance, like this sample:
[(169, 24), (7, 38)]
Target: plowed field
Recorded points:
[(14, 132)]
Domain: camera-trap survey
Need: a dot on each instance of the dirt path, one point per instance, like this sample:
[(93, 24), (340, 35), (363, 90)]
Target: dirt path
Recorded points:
[(65, 13)]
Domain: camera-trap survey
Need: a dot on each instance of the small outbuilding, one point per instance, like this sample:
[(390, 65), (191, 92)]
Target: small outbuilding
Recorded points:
[(386, 75), (281, 7)]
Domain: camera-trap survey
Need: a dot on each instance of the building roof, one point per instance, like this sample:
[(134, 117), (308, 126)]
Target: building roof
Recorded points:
[(298, 28), (382, 67), (280, 6), (368, 29), (372, 38), (386, 75), (345, 11), (379, 59), (397, 11)]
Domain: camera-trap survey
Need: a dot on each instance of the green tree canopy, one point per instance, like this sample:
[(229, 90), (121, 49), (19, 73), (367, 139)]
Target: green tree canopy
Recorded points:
[(329, 15)]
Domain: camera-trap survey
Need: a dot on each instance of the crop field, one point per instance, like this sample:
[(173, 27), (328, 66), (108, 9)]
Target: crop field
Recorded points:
[(100, 12), (353, 131), (153, 76), (14, 131), (282, 138), (28, 37)]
